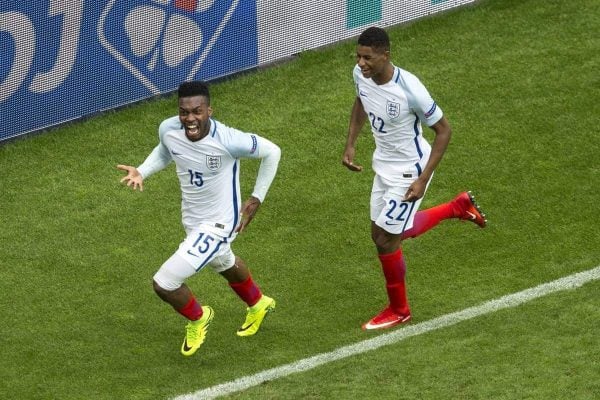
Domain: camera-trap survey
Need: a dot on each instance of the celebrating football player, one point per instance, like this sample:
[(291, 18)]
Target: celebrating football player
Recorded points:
[(207, 159), (394, 102)]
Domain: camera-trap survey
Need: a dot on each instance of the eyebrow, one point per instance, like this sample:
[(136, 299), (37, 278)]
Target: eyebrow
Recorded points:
[(190, 109)]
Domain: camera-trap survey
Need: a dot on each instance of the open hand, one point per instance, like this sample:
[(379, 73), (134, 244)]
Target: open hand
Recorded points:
[(133, 178)]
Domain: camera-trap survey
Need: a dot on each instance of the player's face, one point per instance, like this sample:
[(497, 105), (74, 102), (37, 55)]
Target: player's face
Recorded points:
[(372, 62), (194, 114)]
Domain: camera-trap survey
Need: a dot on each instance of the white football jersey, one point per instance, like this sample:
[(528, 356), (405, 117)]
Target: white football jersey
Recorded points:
[(395, 111), (208, 172)]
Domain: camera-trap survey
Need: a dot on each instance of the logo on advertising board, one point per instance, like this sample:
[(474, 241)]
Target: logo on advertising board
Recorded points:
[(163, 42), (362, 12), (116, 51)]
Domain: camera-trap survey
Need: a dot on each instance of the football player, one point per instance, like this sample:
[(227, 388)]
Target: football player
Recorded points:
[(394, 102), (207, 157)]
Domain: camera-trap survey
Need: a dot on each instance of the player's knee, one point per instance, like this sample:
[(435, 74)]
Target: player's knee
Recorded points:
[(161, 291), (386, 243), (157, 289), (236, 274), (379, 239)]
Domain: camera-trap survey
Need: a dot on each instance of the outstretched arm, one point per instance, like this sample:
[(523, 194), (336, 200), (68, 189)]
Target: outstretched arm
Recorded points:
[(158, 159)]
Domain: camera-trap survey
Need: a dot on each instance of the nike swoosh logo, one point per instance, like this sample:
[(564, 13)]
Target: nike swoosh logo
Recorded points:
[(370, 326), (185, 346), (362, 93), (244, 328), (471, 215), (386, 324), (175, 153), (192, 254), (391, 224)]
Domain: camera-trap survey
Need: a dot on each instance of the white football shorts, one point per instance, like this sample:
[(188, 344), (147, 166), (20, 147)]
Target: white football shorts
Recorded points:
[(202, 247), (388, 210)]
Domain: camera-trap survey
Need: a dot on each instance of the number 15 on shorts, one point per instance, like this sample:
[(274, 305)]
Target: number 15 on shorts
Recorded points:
[(201, 248)]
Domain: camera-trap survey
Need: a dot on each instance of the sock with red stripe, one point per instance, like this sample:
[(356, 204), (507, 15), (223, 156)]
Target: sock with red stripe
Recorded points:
[(394, 270), (247, 290)]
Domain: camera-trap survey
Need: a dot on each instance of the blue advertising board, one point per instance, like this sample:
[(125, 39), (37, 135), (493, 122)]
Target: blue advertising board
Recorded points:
[(64, 59)]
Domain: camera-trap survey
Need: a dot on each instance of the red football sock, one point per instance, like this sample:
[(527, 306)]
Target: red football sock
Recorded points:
[(427, 219), (192, 310), (247, 291), (394, 270), (398, 300)]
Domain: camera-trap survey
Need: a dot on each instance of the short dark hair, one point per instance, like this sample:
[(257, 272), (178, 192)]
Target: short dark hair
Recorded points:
[(375, 37), (194, 88)]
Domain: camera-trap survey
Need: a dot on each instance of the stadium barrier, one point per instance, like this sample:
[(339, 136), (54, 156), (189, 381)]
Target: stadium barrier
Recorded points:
[(62, 60)]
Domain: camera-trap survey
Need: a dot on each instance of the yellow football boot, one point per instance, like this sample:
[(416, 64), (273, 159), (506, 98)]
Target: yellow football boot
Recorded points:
[(195, 332), (255, 316)]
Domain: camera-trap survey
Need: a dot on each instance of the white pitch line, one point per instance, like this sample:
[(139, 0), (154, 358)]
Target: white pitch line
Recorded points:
[(512, 300)]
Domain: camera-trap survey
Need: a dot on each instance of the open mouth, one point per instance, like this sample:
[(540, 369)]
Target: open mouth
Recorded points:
[(192, 129)]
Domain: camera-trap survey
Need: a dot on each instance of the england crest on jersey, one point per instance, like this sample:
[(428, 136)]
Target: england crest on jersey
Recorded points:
[(393, 109), (213, 162)]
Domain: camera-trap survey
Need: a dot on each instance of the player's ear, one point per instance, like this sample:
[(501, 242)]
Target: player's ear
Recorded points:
[(209, 111)]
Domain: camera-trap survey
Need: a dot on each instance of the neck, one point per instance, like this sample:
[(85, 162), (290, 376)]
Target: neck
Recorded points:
[(208, 124), (386, 75)]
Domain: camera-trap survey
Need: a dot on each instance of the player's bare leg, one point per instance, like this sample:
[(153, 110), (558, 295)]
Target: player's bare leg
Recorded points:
[(176, 298)]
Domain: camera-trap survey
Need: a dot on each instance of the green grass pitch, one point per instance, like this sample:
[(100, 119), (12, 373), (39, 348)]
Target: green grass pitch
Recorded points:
[(519, 82)]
